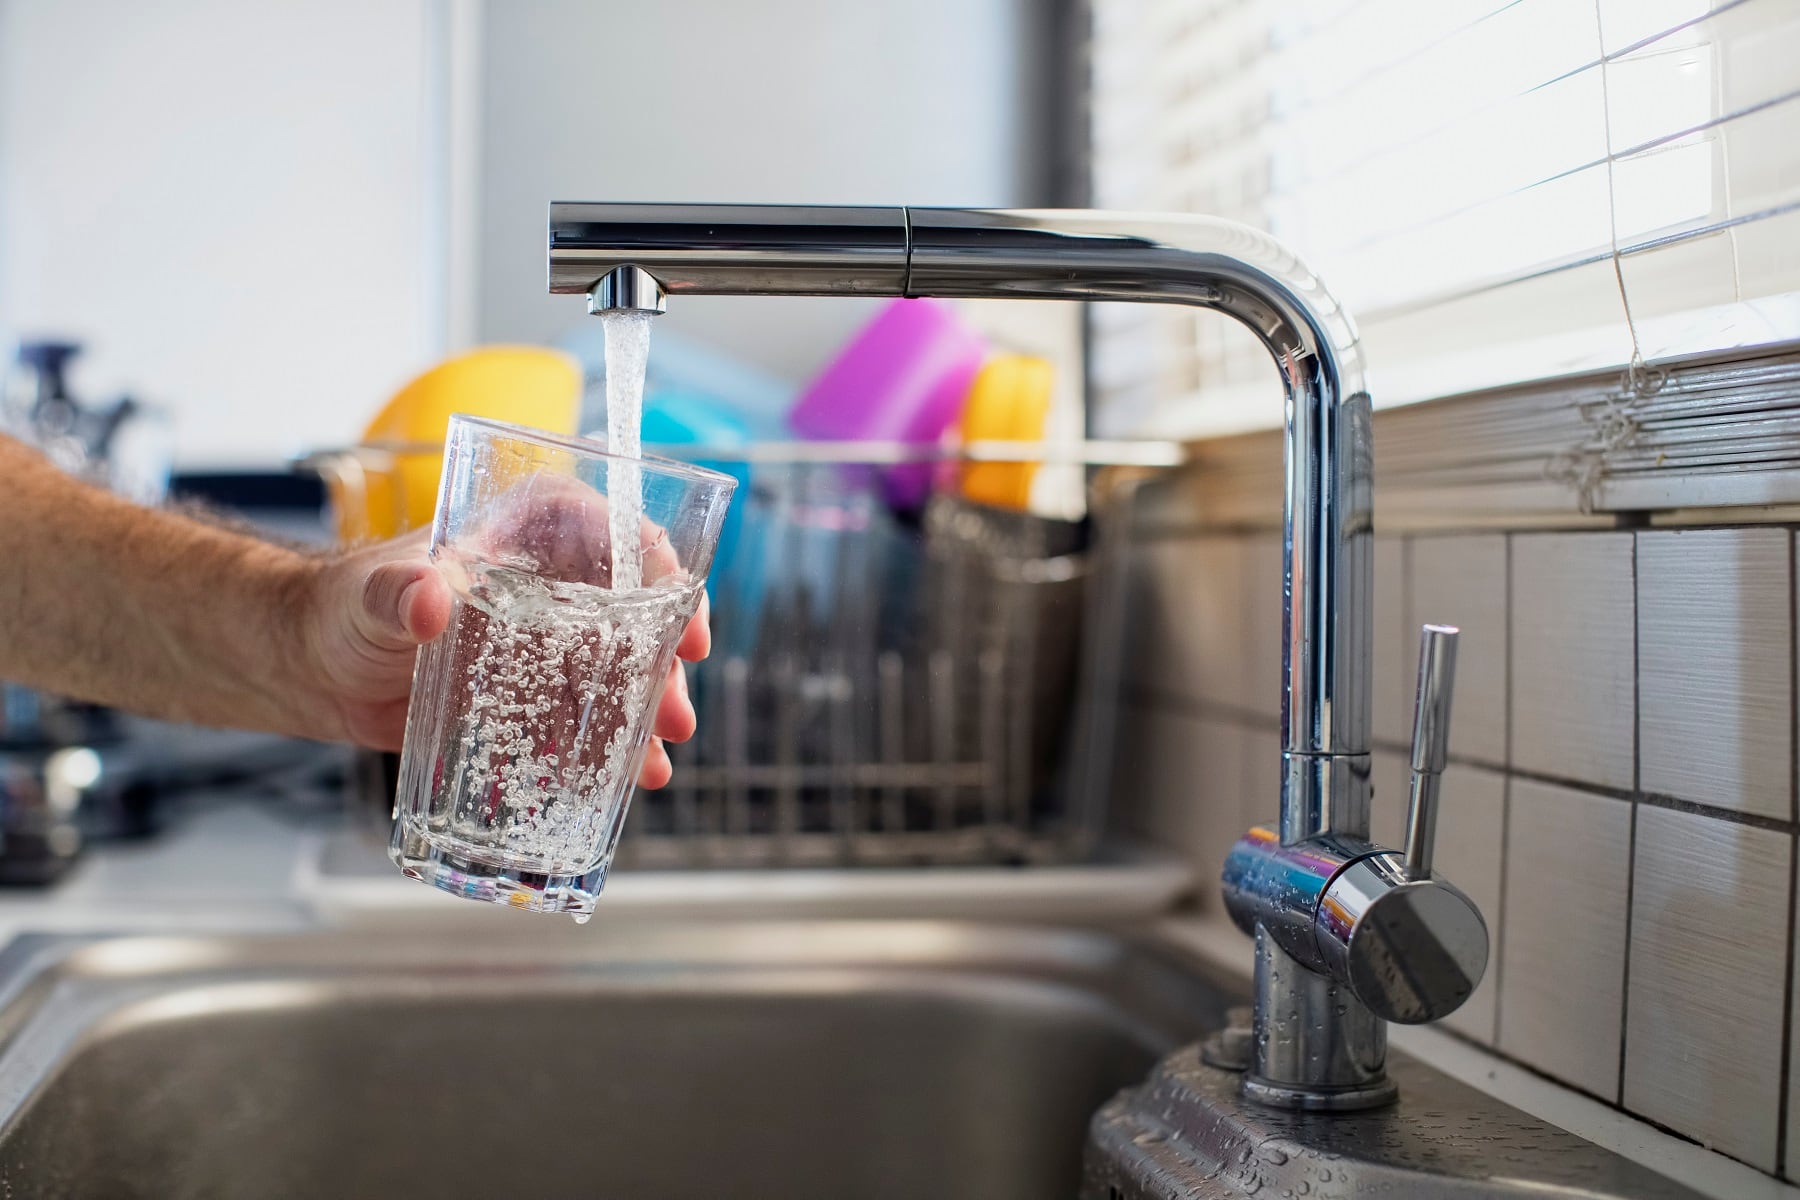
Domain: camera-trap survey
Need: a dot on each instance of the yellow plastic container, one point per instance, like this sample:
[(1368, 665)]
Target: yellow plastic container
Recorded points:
[(389, 483), (527, 385), (1009, 401)]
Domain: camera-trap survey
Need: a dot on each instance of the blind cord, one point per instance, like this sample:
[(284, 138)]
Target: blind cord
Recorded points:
[(1612, 419), (1639, 379)]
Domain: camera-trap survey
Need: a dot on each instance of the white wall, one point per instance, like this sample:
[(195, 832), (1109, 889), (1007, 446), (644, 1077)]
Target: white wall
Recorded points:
[(811, 101), (229, 201)]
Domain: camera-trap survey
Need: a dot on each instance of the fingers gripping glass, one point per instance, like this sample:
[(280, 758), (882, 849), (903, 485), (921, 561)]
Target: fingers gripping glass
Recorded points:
[(530, 716)]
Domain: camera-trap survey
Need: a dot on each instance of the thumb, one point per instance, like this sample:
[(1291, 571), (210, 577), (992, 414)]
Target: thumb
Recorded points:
[(403, 604)]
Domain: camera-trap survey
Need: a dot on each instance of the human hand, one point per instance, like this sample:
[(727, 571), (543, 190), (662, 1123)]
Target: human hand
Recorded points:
[(365, 613)]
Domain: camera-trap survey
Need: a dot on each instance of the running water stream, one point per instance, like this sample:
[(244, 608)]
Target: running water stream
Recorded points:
[(627, 354)]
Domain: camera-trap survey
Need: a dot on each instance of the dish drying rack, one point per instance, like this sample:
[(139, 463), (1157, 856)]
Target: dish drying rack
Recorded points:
[(895, 689)]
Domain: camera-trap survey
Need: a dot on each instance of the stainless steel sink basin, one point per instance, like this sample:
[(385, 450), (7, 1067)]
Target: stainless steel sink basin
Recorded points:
[(644, 1058), (818, 1059)]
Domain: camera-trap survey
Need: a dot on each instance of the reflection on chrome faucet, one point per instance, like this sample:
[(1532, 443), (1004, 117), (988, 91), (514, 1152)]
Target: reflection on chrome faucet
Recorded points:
[(1375, 935), (1347, 935)]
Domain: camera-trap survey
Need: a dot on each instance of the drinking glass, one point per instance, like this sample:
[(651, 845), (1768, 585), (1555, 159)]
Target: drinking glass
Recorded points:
[(530, 716)]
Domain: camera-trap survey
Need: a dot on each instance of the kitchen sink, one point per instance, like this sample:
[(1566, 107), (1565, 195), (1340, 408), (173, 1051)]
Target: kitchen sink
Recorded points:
[(638, 1060), (645, 1057)]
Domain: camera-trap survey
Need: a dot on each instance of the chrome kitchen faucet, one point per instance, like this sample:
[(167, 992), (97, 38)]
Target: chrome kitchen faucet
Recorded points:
[(1348, 934)]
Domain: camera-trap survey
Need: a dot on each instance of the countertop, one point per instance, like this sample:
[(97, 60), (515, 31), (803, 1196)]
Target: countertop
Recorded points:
[(245, 863)]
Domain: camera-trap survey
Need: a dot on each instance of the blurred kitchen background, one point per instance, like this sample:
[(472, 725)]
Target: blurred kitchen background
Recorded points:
[(296, 207), (1569, 231)]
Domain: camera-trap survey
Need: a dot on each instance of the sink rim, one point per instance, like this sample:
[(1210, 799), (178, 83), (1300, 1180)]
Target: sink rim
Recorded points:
[(1079, 950), (61, 992)]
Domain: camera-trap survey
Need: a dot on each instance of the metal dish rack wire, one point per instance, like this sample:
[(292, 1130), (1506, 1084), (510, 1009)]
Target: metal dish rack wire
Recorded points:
[(894, 688)]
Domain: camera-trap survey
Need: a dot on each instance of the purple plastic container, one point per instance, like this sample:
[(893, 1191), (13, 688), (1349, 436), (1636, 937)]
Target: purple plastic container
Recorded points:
[(903, 378)]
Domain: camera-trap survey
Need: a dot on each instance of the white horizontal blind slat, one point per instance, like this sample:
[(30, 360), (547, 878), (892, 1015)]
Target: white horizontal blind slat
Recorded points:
[(1455, 169)]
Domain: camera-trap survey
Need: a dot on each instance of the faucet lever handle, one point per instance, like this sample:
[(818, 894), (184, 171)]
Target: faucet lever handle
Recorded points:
[(1430, 743)]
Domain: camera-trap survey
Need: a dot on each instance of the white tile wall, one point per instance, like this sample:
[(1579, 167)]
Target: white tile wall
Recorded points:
[(1191, 644), (1699, 622), (1180, 783), (1792, 1166), (1139, 614), (1563, 933), (1573, 702), (1143, 734), (1154, 747), (1471, 824), (1709, 900), (1392, 690), (1715, 667), (1262, 625), (1461, 581), (1391, 773), (1261, 799)]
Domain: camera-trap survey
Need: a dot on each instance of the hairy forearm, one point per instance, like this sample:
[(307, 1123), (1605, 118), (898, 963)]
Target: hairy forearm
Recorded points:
[(150, 611)]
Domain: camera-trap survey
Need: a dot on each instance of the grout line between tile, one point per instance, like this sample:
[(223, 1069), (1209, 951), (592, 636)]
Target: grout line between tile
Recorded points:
[(1657, 800), (1506, 658), (1729, 815), (1637, 687), (1142, 696), (1496, 951), (1637, 711), (1151, 696), (1784, 1103), (1499, 955), (1404, 750)]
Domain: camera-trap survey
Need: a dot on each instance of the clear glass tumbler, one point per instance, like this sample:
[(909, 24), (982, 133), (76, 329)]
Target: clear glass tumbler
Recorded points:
[(531, 714)]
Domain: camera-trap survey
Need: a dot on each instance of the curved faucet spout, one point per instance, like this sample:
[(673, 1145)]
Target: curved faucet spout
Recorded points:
[(1071, 255), (1203, 262)]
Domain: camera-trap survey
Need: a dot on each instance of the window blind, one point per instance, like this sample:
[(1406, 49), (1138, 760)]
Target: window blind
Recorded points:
[(1497, 191)]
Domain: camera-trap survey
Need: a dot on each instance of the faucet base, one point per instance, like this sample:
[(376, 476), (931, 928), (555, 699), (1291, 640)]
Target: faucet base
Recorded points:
[(1355, 1099), (1315, 1047), (1232, 1049)]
